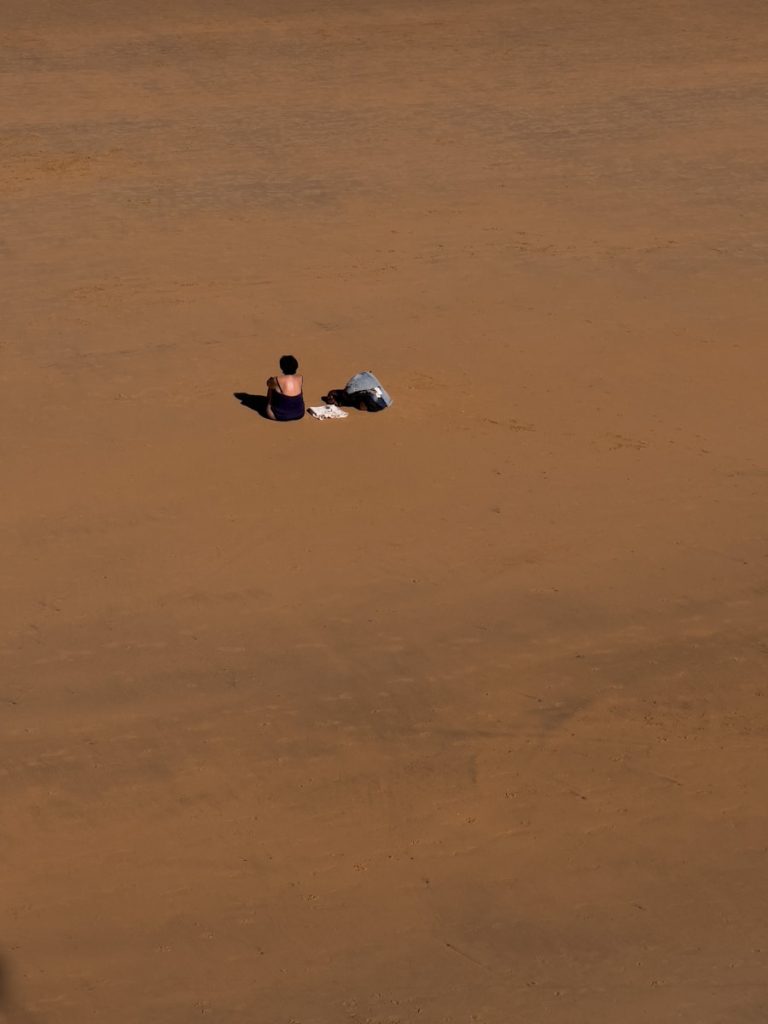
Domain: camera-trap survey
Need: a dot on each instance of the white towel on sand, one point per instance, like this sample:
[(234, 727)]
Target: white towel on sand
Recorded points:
[(327, 412)]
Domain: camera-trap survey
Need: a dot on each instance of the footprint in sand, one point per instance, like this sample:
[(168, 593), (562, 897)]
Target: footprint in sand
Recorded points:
[(515, 425), (619, 441)]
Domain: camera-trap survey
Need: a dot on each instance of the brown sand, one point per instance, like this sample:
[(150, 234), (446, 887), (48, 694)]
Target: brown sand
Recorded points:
[(452, 714)]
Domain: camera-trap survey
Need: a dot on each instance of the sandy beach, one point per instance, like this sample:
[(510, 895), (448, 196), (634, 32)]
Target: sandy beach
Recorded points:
[(453, 714)]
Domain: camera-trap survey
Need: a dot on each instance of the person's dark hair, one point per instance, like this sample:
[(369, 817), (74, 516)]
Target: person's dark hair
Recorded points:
[(289, 365)]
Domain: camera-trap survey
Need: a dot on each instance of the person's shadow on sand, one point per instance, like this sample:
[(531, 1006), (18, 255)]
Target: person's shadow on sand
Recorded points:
[(256, 402)]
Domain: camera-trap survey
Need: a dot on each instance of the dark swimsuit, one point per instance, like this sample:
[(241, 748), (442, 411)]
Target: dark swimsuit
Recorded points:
[(287, 407)]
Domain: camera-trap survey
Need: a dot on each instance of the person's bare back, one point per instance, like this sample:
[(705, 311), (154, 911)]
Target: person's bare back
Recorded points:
[(289, 384)]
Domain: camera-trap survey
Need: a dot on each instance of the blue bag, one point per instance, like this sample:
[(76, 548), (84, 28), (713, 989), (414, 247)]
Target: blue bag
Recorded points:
[(367, 387)]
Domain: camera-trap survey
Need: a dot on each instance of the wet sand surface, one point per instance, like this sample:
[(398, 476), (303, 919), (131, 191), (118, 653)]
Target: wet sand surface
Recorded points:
[(452, 714)]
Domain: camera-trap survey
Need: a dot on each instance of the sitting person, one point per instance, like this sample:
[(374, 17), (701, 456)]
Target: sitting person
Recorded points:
[(285, 400)]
